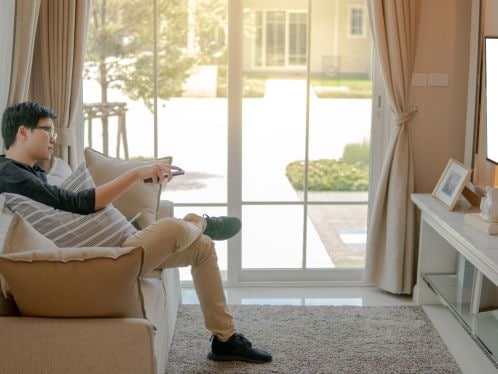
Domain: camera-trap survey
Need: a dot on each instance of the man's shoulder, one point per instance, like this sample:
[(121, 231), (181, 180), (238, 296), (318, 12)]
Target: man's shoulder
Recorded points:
[(8, 165), (5, 163), (12, 171), (4, 160)]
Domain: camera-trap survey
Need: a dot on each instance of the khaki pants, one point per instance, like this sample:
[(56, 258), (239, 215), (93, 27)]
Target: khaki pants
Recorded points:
[(172, 242)]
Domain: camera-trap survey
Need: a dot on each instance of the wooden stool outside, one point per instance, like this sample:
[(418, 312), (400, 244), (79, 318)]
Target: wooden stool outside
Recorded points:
[(104, 111)]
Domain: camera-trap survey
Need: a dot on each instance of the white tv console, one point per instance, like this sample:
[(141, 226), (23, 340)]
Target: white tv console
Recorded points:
[(458, 266)]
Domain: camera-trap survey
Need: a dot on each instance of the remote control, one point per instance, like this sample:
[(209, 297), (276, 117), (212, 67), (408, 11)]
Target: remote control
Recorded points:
[(174, 173)]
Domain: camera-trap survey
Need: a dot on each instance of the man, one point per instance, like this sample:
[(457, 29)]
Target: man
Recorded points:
[(29, 136)]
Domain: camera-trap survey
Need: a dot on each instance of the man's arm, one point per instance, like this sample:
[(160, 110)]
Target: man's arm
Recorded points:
[(107, 193)]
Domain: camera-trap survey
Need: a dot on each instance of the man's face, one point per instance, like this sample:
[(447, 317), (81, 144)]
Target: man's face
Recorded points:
[(40, 141)]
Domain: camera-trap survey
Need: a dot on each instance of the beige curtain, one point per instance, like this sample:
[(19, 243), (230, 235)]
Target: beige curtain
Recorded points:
[(57, 68), (391, 256), (26, 19)]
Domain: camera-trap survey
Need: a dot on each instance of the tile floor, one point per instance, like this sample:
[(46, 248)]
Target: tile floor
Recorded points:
[(470, 358)]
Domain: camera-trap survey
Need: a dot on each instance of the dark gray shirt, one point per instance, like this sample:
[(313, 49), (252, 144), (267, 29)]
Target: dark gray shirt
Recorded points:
[(22, 179)]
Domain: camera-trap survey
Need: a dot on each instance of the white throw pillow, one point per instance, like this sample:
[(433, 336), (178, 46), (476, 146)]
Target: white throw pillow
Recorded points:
[(59, 171)]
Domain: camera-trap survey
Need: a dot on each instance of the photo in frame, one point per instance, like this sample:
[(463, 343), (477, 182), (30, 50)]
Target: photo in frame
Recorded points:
[(449, 187)]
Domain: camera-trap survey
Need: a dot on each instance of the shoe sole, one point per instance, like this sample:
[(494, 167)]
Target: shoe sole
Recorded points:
[(225, 358)]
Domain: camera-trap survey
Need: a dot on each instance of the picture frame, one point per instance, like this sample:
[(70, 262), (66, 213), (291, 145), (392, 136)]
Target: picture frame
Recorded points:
[(451, 183)]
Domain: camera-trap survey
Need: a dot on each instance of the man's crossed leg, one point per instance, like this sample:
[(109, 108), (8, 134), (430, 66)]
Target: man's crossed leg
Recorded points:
[(172, 242)]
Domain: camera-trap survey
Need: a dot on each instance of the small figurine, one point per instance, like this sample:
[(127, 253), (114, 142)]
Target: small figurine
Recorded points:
[(489, 205)]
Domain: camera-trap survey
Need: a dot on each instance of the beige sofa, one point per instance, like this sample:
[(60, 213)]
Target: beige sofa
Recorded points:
[(95, 345)]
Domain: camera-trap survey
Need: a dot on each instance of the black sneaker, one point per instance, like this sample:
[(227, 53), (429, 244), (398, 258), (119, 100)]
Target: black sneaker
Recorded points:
[(237, 348), (222, 228)]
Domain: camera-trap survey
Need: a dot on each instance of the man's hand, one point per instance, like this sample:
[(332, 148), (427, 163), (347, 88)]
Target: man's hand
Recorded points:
[(156, 172)]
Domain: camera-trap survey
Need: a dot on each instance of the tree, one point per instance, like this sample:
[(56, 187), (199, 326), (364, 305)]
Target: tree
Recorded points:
[(121, 48)]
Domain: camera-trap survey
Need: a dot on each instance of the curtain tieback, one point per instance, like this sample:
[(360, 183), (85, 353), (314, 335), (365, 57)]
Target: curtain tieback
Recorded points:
[(404, 117), (66, 136)]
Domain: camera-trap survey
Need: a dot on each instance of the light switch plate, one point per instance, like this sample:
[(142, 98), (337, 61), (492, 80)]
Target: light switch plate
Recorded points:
[(419, 80), (438, 80)]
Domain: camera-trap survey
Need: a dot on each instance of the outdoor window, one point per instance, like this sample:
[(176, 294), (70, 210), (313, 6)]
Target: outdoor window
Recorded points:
[(280, 38), (357, 22), (297, 38)]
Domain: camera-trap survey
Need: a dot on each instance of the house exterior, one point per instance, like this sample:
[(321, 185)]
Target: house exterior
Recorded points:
[(275, 38)]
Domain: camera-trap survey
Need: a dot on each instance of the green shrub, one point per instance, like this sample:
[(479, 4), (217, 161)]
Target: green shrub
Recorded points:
[(356, 153), (251, 87), (329, 175)]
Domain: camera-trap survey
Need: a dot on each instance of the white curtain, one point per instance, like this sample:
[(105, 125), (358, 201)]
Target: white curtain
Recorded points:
[(26, 19), (57, 69), (391, 257), (7, 16)]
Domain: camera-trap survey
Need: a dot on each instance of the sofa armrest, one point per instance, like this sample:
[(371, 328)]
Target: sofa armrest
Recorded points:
[(76, 345), (166, 209)]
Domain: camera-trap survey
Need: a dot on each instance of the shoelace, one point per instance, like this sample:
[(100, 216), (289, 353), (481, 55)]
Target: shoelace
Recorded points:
[(243, 341), (214, 223), (241, 338)]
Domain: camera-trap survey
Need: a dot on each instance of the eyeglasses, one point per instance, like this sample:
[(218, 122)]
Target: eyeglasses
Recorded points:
[(50, 130)]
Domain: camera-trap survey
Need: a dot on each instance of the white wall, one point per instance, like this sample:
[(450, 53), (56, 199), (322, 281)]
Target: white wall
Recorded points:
[(7, 13)]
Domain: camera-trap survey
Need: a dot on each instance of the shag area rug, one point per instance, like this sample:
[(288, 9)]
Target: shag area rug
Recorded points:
[(318, 339)]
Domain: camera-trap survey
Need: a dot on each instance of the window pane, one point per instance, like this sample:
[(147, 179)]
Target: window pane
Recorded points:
[(192, 104), (118, 76), (275, 38), (272, 237), (342, 230), (339, 142), (221, 246), (258, 51), (274, 107), (356, 21), (297, 38)]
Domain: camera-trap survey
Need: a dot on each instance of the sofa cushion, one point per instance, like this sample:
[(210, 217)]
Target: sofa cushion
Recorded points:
[(139, 198), (21, 236), (76, 282), (59, 171), (16, 235), (105, 228), (68, 229)]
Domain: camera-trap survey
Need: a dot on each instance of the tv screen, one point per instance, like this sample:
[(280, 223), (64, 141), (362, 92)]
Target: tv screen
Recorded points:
[(491, 50)]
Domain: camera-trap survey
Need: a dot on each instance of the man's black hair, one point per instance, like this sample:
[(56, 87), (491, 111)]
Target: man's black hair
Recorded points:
[(24, 114)]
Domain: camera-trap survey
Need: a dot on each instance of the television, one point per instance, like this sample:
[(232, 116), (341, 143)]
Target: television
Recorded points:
[(491, 51)]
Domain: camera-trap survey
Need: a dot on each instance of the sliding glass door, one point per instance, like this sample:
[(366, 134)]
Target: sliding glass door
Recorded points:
[(265, 104)]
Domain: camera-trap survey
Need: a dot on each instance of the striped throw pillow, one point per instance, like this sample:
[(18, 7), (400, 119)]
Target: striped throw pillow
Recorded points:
[(104, 228)]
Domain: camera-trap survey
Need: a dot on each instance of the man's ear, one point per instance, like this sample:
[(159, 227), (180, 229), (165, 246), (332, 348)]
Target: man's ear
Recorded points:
[(22, 130)]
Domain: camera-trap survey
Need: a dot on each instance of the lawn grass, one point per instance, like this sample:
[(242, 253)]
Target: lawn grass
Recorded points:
[(254, 86), (342, 88)]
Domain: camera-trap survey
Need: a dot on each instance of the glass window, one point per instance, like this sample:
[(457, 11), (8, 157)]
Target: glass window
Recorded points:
[(301, 188), (356, 22), (280, 38), (275, 38), (297, 38)]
